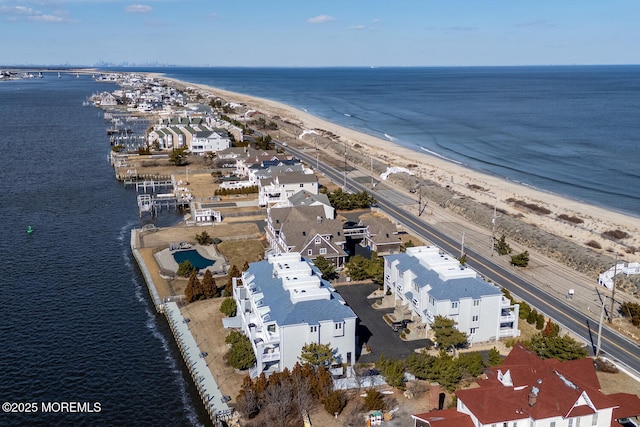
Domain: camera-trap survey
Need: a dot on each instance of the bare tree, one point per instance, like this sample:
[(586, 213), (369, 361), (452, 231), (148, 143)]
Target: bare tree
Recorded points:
[(278, 407)]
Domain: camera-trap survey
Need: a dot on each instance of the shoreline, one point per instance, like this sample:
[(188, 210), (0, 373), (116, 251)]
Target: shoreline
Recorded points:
[(483, 187)]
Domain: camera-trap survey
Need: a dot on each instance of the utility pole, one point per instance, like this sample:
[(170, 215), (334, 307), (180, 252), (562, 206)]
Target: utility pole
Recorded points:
[(344, 184), (371, 172), (493, 226), (613, 289), (421, 208), (600, 328)]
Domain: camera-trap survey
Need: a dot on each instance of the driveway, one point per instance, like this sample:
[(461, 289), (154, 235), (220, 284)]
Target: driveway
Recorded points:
[(372, 329)]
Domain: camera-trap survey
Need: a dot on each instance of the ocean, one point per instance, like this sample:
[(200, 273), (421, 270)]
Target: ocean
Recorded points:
[(568, 130), (76, 322)]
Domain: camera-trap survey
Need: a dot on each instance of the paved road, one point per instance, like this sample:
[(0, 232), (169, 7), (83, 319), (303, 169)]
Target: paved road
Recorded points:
[(373, 330), (579, 320)]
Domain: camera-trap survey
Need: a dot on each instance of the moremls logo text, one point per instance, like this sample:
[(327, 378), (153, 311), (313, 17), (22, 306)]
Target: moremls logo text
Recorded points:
[(71, 407)]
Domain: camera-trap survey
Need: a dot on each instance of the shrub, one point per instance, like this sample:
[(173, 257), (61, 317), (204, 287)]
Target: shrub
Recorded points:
[(540, 321), (525, 309), (520, 260), (531, 206), (605, 366), (502, 247), (228, 307), (615, 234), (593, 244), (204, 238), (335, 402), (374, 400), (185, 269), (573, 218), (240, 355)]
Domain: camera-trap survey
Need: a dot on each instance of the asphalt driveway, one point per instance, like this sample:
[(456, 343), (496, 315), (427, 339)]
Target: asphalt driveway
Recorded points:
[(372, 329)]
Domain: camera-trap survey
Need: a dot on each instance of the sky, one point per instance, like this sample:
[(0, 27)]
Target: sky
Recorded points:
[(319, 33)]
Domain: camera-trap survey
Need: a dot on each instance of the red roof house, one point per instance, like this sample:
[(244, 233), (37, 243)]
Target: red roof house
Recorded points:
[(527, 391)]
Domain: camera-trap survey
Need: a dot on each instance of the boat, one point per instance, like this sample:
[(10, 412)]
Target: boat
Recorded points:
[(29, 230), (59, 76)]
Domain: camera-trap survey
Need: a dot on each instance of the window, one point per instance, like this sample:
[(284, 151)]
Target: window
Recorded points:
[(323, 251), (594, 419), (271, 328), (570, 422), (474, 318), (301, 185), (552, 424), (338, 326), (318, 240), (313, 329), (577, 422), (454, 305), (476, 302), (472, 331), (310, 252)]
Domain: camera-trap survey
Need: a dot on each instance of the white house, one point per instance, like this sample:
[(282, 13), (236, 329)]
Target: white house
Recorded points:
[(209, 140), (304, 198), (284, 304), (279, 188), (432, 283)]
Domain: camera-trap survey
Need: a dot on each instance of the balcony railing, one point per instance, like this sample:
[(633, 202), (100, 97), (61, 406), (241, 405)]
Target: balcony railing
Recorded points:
[(270, 357)]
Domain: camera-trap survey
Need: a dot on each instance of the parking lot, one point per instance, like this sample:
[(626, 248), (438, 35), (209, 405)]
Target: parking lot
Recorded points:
[(373, 330)]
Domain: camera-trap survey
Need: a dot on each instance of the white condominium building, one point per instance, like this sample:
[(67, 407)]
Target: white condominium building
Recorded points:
[(433, 283), (283, 304)]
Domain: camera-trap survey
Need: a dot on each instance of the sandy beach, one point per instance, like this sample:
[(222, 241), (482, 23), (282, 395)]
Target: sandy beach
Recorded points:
[(484, 188)]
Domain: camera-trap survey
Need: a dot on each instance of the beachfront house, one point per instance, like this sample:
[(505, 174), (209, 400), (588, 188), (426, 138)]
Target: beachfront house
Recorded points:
[(283, 304), (432, 283), (527, 391)]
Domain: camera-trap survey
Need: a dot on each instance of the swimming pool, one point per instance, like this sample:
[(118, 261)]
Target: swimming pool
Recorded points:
[(192, 255)]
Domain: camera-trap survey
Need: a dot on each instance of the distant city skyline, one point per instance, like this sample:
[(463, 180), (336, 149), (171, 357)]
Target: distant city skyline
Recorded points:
[(316, 34)]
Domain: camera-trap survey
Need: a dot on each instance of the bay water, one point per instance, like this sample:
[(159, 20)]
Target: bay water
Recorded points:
[(76, 323)]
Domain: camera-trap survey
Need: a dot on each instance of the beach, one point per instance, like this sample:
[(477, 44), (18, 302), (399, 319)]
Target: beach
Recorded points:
[(491, 191)]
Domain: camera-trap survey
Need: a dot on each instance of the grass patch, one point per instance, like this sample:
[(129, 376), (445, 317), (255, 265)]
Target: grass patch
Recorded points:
[(240, 251)]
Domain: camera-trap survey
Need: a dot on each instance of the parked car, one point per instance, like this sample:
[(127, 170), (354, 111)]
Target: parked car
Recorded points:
[(400, 325)]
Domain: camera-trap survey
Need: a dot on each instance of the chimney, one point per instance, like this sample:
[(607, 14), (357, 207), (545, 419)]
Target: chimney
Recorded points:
[(319, 218), (533, 396), (434, 396)]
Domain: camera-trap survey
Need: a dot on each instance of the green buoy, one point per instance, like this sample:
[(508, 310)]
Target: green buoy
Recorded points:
[(29, 230)]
